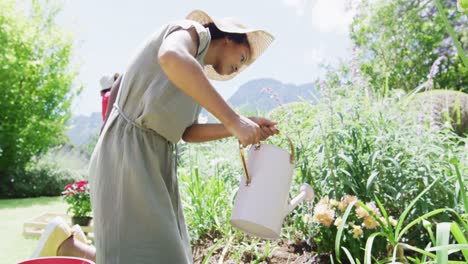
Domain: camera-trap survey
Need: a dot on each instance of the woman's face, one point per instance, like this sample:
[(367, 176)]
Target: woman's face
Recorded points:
[(232, 57)]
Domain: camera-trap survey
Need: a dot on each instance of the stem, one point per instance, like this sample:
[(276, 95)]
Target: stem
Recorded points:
[(451, 31), (333, 146), (462, 190)]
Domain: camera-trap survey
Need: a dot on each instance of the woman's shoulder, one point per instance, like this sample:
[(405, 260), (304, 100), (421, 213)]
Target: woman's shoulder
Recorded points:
[(203, 33), (187, 24)]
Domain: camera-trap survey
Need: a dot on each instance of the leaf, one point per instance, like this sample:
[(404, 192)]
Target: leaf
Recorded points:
[(415, 249), (348, 254), (213, 248), (419, 219), (370, 180), (368, 249), (408, 209), (460, 238), (442, 239), (340, 230)]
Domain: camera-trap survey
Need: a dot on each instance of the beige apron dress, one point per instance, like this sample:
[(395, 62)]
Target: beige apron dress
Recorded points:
[(138, 214)]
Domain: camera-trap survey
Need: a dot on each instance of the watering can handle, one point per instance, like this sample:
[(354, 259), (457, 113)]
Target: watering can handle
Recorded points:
[(244, 163)]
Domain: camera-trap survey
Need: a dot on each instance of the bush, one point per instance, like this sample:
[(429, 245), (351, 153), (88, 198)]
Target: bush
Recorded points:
[(397, 41), (38, 181), (46, 175), (440, 106), (370, 147)]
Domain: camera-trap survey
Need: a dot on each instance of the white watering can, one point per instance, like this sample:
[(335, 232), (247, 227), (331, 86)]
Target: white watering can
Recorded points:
[(262, 200)]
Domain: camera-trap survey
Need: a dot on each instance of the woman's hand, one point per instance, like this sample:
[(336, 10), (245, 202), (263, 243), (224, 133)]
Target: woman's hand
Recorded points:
[(267, 126), (252, 130), (245, 130)]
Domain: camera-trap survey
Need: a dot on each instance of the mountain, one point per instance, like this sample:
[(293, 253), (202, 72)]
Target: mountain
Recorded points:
[(81, 128), (260, 95)]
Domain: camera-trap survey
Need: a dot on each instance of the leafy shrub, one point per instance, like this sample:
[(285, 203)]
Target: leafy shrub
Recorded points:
[(440, 106), (368, 147), (46, 175)]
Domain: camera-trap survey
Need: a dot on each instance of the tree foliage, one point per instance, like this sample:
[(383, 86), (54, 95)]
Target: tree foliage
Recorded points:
[(36, 83), (399, 40)]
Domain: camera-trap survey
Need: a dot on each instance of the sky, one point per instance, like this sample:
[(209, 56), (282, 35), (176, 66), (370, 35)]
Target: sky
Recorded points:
[(107, 32)]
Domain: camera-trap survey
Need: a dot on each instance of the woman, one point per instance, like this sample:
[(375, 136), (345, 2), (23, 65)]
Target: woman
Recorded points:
[(106, 85), (138, 215)]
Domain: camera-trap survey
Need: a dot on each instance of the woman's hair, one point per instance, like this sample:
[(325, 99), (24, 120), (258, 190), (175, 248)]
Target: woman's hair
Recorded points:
[(239, 38)]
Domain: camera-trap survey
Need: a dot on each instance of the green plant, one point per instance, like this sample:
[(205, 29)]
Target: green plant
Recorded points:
[(36, 80), (398, 40), (367, 146), (452, 33), (77, 196), (462, 6), (39, 179), (396, 237), (349, 227), (208, 185), (441, 106)]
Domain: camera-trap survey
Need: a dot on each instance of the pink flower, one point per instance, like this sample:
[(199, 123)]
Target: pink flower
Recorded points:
[(76, 195), (373, 207), (81, 183), (361, 212)]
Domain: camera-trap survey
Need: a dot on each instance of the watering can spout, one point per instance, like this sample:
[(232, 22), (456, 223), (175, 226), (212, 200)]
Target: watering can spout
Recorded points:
[(306, 193)]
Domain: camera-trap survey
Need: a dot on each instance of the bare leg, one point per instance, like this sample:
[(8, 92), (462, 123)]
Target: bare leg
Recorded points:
[(75, 248)]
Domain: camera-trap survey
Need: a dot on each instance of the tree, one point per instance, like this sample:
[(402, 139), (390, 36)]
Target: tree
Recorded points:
[(399, 40), (35, 81)]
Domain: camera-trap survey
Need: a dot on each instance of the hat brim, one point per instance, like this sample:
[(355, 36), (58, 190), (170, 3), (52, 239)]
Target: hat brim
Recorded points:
[(259, 40)]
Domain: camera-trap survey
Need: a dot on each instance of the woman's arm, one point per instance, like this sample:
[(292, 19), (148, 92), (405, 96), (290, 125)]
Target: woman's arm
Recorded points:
[(208, 132), (205, 132), (176, 57)]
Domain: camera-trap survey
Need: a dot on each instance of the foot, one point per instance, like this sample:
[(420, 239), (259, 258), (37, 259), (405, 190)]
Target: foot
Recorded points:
[(55, 233)]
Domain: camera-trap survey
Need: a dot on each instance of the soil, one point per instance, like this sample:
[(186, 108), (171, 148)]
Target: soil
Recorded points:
[(293, 253)]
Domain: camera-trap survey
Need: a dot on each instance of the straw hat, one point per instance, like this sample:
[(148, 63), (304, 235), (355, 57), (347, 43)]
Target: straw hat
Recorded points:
[(258, 39)]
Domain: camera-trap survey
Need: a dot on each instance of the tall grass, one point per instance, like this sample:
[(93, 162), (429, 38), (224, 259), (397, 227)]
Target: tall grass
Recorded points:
[(371, 146), (350, 143)]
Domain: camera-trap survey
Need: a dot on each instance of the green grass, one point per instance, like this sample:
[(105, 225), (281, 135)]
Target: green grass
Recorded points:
[(13, 213)]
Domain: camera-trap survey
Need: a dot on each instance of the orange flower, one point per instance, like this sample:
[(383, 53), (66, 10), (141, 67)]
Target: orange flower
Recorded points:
[(357, 231), (324, 214), (370, 222), (345, 201)]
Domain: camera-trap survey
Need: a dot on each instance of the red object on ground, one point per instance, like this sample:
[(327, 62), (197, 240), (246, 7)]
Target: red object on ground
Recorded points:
[(105, 102), (57, 260)]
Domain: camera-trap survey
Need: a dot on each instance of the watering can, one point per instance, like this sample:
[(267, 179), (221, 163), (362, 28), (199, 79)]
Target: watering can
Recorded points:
[(262, 201)]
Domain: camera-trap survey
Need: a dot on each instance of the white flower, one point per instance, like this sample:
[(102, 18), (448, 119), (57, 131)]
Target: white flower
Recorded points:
[(338, 221), (307, 219)]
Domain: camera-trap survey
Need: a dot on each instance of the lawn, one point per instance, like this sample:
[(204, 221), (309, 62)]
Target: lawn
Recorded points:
[(13, 212)]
